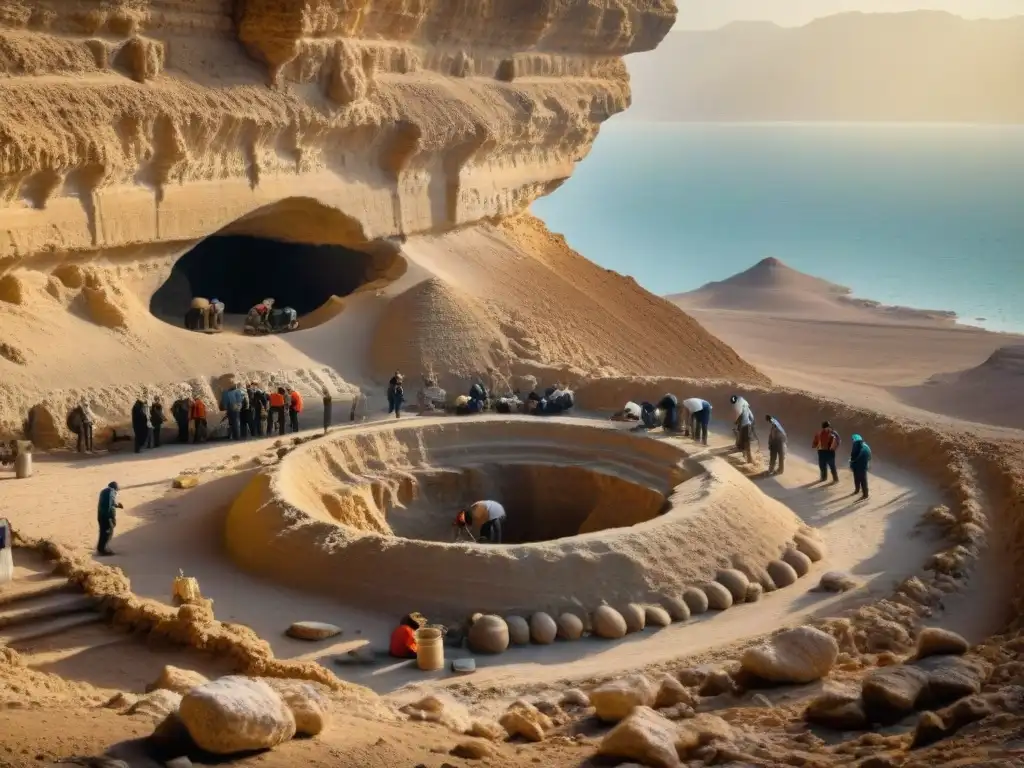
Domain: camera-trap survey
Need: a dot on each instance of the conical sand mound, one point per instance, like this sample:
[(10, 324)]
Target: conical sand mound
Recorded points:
[(435, 327)]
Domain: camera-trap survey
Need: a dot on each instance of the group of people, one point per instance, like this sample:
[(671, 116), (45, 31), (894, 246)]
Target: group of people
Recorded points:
[(826, 443), (695, 414), (249, 411)]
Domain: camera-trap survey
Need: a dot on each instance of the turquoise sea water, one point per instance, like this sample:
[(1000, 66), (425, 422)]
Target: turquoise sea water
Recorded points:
[(924, 216)]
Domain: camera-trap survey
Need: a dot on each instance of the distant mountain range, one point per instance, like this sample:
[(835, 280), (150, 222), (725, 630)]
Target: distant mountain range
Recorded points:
[(923, 66)]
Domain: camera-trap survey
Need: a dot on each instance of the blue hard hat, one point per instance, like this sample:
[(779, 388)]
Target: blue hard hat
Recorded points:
[(858, 439)]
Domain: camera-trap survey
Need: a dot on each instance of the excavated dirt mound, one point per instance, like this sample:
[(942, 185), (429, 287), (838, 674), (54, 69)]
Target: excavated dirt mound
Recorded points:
[(630, 518)]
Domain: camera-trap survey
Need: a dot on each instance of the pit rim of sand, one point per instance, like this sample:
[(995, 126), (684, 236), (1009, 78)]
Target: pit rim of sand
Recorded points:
[(280, 527)]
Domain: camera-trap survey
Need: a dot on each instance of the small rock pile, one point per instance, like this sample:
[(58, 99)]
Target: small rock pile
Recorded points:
[(939, 680)]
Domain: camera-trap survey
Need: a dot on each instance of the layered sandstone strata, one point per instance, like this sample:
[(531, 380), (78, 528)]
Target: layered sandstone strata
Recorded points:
[(160, 121)]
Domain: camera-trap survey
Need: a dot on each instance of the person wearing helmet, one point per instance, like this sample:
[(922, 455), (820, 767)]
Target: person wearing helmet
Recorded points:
[(106, 514)]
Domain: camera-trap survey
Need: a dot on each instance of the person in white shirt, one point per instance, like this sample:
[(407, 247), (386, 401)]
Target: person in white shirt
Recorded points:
[(487, 517), (744, 427)]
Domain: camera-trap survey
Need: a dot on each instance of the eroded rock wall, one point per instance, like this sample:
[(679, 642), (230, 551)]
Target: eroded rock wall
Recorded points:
[(145, 121)]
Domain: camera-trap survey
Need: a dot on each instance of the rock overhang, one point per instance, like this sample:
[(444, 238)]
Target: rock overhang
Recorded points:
[(406, 117)]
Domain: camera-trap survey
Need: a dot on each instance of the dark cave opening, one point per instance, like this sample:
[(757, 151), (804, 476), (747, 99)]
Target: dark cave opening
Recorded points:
[(241, 271)]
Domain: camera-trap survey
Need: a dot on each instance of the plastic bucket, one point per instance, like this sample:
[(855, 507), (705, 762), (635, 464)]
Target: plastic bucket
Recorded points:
[(429, 649)]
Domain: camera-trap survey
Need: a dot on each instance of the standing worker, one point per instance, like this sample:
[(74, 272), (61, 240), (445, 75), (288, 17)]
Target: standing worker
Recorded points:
[(197, 413), (294, 408), (328, 406), (245, 416), (257, 403), (140, 424), (231, 402), (106, 514), (86, 428), (486, 516), (394, 384), (826, 443), (776, 445), (156, 421), (277, 406), (860, 463), (699, 417), (744, 427), (181, 410)]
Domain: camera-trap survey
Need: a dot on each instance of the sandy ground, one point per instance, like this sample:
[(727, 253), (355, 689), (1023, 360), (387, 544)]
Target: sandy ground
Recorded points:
[(163, 530)]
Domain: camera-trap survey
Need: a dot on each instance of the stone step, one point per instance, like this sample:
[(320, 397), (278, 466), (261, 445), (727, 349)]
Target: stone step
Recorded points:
[(37, 629), (44, 607), (18, 591)]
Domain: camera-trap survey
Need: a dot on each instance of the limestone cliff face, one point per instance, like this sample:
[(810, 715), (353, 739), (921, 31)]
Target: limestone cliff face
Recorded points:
[(141, 122)]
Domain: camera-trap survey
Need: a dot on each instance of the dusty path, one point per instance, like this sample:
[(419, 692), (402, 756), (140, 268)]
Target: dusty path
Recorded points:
[(163, 530)]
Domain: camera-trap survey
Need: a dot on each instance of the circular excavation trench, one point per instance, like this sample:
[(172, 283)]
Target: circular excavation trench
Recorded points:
[(594, 515)]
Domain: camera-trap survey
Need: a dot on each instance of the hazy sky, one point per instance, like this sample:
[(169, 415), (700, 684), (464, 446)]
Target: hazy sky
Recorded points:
[(706, 14)]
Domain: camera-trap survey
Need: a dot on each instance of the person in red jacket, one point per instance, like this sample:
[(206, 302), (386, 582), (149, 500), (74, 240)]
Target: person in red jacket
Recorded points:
[(294, 408), (403, 639), (826, 443)]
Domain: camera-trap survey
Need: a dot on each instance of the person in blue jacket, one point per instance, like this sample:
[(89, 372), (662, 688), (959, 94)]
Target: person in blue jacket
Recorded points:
[(106, 514), (860, 463)]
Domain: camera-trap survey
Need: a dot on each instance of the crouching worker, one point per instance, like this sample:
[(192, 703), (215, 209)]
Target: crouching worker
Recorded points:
[(776, 445), (669, 407), (699, 413), (486, 516), (403, 639)]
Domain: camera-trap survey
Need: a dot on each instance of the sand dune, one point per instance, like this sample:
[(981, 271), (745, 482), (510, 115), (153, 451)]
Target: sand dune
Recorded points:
[(772, 287), (990, 393), (809, 333)]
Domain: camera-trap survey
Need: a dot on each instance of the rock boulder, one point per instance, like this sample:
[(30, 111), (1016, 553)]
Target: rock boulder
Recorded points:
[(309, 707), (719, 598), (782, 573), (799, 655), (696, 600), (836, 581), (518, 630), (524, 719), (891, 693), (635, 616), (656, 616), (543, 629), (489, 634), (312, 630), (810, 546), (236, 714), (570, 626), (940, 642), (797, 560), (608, 623), (645, 737), (677, 608), (614, 700), (735, 581)]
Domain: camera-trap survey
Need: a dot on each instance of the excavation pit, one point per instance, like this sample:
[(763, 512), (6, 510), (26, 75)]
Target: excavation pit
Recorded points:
[(543, 502), (594, 514)]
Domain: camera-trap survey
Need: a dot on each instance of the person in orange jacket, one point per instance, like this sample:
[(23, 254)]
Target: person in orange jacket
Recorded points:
[(197, 414), (276, 413), (294, 408), (403, 639), (826, 443)]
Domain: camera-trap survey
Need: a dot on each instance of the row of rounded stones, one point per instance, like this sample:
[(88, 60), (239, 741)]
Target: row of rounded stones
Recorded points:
[(493, 634)]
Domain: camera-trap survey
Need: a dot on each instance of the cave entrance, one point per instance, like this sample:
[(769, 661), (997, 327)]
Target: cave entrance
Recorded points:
[(242, 270)]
